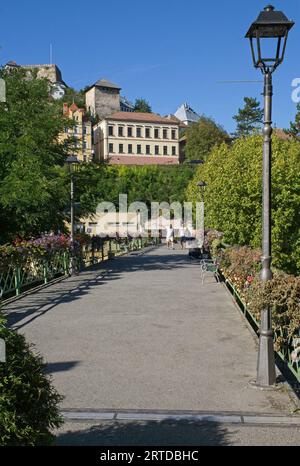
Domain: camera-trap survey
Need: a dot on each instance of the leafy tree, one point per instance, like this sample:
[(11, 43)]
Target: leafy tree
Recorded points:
[(233, 199), (141, 105), (294, 129), (249, 118), (33, 190), (96, 183), (202, 136), (71, 95)]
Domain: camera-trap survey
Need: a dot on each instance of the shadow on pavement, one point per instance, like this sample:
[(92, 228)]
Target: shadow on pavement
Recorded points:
[(32, 306), (147, 433), (60, 366), (44, 300)]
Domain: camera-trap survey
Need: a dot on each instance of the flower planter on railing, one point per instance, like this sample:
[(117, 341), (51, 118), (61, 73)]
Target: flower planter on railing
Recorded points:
[(38, 262), (290, 353)]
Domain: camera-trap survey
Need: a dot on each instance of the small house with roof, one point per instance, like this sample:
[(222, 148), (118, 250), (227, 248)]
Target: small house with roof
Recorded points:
[(186, 114)]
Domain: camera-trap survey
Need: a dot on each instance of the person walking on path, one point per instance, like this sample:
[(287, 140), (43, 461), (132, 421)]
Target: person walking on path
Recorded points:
[(170, 237)]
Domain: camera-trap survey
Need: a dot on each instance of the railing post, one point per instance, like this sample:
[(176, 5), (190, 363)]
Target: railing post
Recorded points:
[(45, 272), (93, 255), (17, 274), (65, 264)]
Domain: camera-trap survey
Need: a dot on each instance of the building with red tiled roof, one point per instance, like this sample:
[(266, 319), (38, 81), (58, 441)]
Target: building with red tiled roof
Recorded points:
[(80, 133), (133, 138)]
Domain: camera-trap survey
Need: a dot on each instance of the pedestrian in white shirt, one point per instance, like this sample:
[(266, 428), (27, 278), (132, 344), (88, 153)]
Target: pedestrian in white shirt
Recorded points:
[(170, 237)]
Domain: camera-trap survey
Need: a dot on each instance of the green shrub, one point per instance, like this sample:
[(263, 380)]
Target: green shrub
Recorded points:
[(283, 295), (233, 196), (28, 401), (240, 265)]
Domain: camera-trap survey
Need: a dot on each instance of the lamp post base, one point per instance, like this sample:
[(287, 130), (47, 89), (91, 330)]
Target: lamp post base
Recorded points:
[(255, 384)]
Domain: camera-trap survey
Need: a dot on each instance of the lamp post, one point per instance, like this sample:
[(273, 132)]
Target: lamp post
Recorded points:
[(72, 162), (270, 25), (202, 185)]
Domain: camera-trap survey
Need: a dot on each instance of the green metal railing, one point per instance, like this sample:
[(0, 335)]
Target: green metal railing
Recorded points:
[(290, 354), (33, 272), (38, 271)]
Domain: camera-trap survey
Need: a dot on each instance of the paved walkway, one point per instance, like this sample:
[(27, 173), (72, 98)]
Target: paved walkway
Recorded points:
[(141, 333)]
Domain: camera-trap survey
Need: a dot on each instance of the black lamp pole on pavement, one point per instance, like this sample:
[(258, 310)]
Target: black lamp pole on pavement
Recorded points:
[(72, 162), (274, 25)]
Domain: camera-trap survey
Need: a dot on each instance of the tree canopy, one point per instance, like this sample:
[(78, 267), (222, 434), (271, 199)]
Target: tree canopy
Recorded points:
[(202, 136), (233, 199), (97, 183), (249, 118), (32, 184), (294, 129), (141, 105), (71, 95)]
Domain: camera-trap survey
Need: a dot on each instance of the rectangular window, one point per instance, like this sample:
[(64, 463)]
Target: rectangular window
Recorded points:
[(148, 150), (156, 150), (120, 131), (173, 150), (139, 149), (129, 132), (110, 130), (139, 132), (165, 150), (156, 133), (165, 134), (173, 133), (110, 148), (120, 148), (129, 148), (147, 132)]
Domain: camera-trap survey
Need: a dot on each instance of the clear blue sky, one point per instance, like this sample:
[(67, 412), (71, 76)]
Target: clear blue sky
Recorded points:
[(168, 52)]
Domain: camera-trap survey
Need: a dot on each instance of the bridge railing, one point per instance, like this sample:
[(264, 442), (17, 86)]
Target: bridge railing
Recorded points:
[(17, 278)]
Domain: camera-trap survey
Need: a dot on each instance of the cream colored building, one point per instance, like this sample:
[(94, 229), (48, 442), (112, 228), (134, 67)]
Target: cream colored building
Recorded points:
[(132, 138), (81, 132), (110, 223)]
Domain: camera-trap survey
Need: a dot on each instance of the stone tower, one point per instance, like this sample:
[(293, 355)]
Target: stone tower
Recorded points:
[(103, 98)]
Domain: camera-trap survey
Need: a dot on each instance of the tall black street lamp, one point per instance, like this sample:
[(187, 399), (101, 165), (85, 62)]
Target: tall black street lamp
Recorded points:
[(273, 27), (72, 162)]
